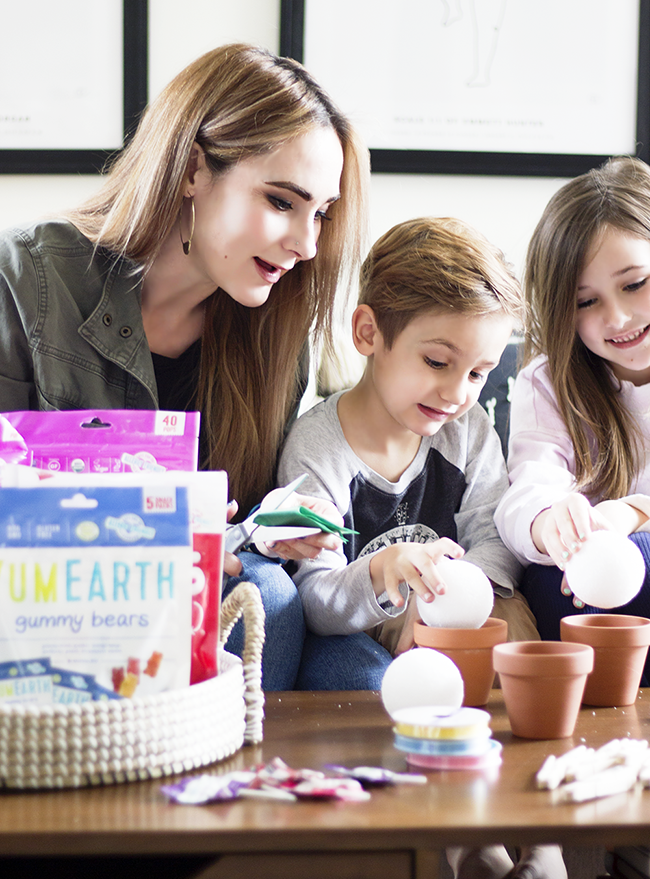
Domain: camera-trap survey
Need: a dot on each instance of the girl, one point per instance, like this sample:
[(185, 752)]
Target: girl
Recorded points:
[(580, 411), (193, 278)]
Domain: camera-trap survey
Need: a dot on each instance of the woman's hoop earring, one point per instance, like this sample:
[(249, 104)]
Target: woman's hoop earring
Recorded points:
[(187, 245)]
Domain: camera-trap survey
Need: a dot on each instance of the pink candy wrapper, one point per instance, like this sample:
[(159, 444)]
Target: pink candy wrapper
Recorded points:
[(101, 441)]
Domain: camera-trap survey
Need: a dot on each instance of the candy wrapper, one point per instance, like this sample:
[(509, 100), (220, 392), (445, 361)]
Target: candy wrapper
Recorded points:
[(101, 440), (376, 776), (203, 789), (97, 581), (27, 682), (277, 781)]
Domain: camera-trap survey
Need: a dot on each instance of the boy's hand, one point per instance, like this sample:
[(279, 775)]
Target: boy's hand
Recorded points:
[(310, 547), (414, 564)]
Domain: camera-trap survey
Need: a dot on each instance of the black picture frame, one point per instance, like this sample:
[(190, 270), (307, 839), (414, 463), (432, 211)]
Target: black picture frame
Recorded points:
[(85, 161), (416, 161)]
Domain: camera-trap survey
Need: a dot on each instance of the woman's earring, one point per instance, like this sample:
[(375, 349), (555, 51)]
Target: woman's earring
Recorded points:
[(187, 245)]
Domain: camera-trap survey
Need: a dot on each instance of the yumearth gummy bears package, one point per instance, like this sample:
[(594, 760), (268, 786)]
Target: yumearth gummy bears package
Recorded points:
[(98, 582), (208, 495)]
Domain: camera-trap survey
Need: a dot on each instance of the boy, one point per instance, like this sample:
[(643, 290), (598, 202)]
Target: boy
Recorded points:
[(407, 458), (410, 461)]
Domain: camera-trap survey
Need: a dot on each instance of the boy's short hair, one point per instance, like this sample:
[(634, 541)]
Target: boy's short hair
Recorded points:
[(436, 263)]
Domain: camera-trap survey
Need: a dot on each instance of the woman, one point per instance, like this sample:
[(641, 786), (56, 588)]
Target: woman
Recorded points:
[(193, 278)]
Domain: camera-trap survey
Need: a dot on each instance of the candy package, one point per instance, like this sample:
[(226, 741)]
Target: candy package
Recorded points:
[(208, 493), (101, 441), (96, 581)]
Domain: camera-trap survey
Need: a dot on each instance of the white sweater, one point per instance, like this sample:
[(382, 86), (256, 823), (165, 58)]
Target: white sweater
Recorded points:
[(541, 460)]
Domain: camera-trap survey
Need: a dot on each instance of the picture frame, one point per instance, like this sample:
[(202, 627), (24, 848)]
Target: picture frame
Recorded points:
[(82, 98), (429, 98)]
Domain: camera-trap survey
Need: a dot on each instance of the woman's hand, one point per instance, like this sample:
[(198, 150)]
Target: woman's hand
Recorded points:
[(562, 528), (231, 563), (413, 564), (310, 547)]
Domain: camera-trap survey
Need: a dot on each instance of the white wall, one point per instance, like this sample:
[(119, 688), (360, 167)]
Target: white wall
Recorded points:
[(505, 209)]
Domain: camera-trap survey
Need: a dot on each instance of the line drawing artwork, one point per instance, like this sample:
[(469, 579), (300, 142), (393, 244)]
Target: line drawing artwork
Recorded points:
[(440, 77), (486, 18)]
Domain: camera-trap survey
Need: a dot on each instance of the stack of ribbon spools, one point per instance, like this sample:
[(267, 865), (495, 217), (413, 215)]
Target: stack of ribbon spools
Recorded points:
[(461, 740)]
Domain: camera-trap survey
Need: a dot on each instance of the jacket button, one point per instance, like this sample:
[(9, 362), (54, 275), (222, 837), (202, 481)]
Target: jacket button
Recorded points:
[(125, 332), (107, 320)]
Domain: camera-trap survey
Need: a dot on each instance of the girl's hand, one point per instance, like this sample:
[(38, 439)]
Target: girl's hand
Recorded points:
[(566, 590), (231, 563), (621, 517), (413, 564), (562, 528), (310, 547)]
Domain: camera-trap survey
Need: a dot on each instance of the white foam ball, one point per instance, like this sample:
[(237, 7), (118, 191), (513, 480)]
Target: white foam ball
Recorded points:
[(467, 602), (422, 677), (607, 571)]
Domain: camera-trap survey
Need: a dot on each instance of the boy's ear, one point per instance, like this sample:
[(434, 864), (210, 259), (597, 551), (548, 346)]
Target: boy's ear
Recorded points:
[(365, 333)]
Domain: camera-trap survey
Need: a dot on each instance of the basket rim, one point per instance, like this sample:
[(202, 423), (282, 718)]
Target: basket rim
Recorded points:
[(229, 664)]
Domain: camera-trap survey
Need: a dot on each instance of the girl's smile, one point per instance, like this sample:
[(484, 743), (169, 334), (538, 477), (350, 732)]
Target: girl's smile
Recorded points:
[(613, 304), (630, 339)]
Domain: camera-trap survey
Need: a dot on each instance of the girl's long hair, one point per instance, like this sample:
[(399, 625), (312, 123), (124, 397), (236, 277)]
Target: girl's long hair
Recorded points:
[(237, 102), (605, 436)]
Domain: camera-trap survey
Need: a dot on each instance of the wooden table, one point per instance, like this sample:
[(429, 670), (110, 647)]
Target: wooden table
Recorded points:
[(398, 832)]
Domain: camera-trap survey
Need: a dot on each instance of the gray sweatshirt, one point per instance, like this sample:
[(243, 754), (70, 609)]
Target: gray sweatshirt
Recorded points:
[(450, 489)]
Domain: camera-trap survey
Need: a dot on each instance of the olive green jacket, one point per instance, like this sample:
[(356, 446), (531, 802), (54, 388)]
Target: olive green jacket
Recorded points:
[(71, 333)]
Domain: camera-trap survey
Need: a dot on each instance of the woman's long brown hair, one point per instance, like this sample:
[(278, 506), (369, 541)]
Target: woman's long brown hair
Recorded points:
[(238, 101), (605, 436)]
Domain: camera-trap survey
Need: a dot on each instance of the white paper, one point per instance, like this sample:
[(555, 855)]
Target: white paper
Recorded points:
[(481, 75), (61, 74)]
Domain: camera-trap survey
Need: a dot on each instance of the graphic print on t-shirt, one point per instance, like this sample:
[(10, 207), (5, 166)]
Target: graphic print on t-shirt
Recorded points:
[(424, 511)]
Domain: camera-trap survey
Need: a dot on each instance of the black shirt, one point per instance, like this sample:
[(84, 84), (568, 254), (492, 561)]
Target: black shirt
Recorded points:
[(177, 379)]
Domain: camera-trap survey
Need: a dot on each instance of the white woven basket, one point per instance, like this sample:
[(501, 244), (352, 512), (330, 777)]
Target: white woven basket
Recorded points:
[(96, 743)]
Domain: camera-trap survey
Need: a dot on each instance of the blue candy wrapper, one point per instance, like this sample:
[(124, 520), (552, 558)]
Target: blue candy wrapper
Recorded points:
[(27, 682)]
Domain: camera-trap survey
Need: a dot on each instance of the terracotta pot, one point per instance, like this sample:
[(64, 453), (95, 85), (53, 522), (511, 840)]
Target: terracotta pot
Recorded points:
[(470, 650), (620, 645), (542, 684)]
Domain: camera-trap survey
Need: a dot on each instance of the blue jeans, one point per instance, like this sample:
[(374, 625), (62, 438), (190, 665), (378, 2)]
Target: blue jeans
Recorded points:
[(541, 586), (336, 662), (285, 623), (342, 662)]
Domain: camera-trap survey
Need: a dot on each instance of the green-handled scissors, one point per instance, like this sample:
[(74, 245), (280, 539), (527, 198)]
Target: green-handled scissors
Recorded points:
[(239, 535)]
